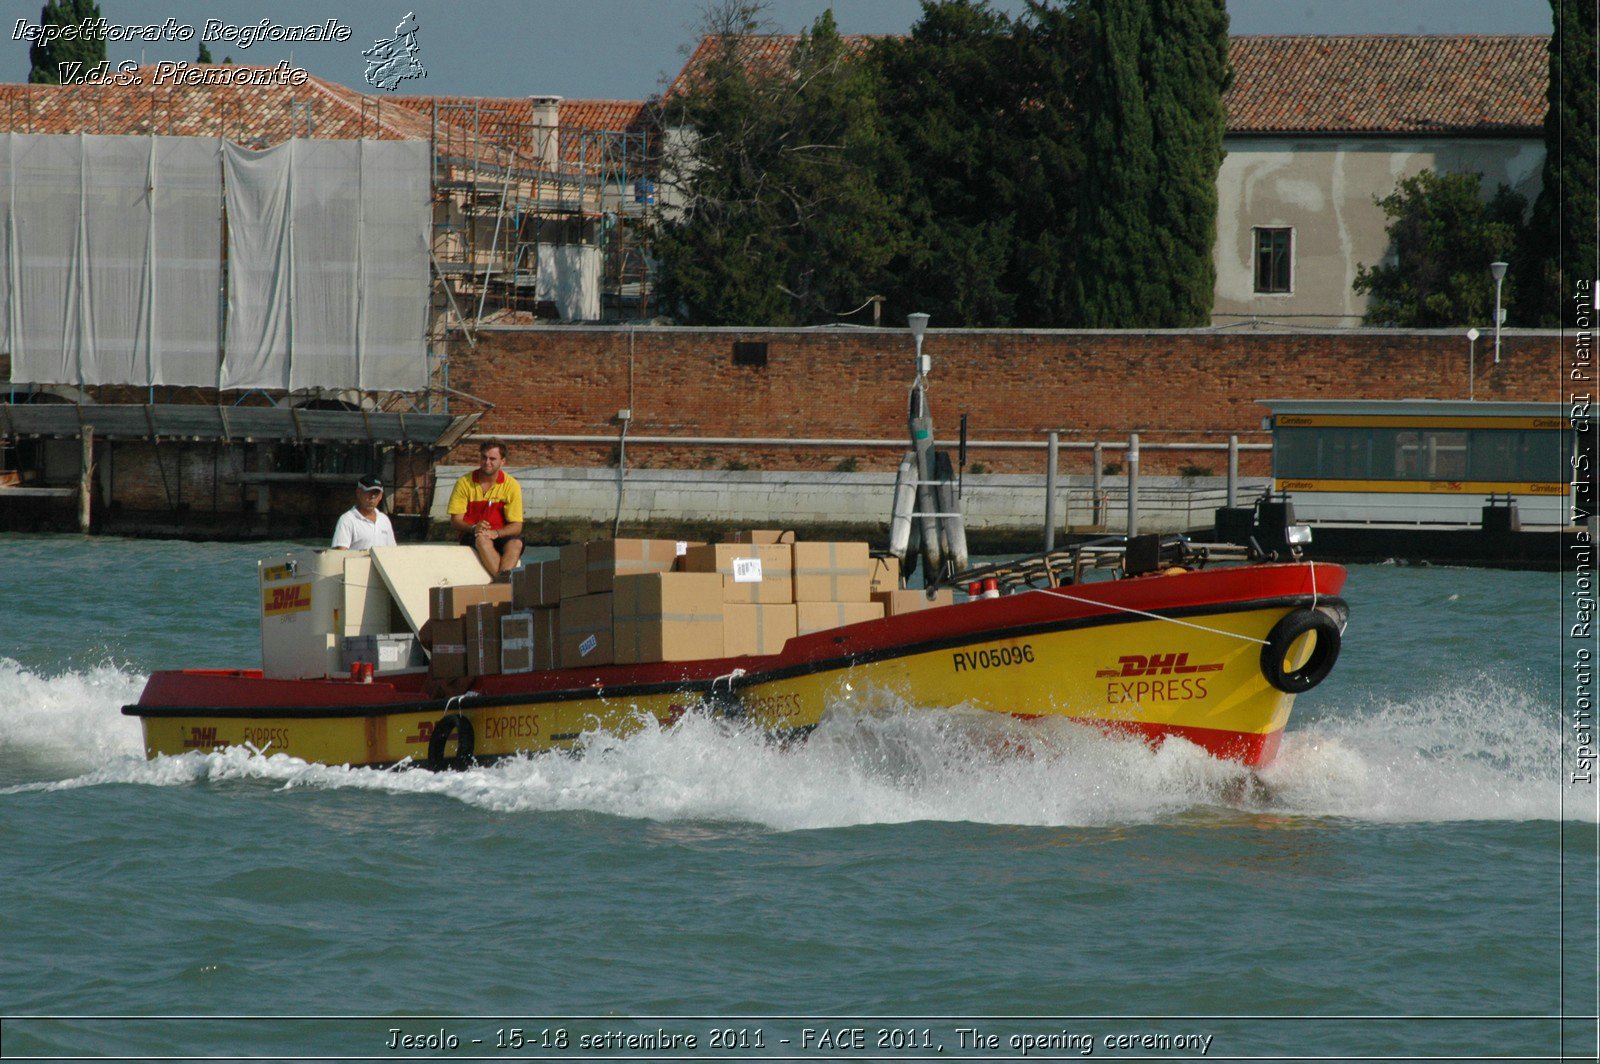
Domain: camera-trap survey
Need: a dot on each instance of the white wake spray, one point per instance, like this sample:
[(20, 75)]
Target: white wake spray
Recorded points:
[(1484, 751), (67, 723)]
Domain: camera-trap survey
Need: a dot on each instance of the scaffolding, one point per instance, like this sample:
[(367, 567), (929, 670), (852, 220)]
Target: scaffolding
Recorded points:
[(520, 203)]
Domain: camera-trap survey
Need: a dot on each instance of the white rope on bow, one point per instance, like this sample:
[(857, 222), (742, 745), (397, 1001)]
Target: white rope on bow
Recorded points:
[(730, 677), (1147, 613)]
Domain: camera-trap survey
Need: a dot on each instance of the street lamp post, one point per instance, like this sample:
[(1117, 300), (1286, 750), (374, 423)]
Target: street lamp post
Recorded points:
[(1472, 363), (919, 324), (1499, 271)]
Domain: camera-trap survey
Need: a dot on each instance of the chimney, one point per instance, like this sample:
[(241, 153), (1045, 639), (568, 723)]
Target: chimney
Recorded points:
[(546, 131)]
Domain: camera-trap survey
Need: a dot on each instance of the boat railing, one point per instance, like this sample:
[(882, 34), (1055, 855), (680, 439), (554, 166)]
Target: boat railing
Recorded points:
[(1108, 557)]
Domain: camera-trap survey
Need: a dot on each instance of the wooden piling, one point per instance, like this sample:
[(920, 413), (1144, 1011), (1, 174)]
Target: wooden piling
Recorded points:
[(86, 479), (1051, 466)]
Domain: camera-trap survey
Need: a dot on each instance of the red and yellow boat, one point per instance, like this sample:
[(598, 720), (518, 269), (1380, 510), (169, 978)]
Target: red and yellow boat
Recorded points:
[(1210, 653), (1170, 644)]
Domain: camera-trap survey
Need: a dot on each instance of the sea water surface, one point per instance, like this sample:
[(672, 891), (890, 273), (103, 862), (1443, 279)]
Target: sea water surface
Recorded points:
[(1414, 877)]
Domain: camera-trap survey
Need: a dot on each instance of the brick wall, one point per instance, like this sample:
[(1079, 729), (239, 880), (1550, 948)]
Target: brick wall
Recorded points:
[(1016, 386)]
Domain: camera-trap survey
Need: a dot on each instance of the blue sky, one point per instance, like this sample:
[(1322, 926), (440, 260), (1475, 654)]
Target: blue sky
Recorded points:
[(628, 49)]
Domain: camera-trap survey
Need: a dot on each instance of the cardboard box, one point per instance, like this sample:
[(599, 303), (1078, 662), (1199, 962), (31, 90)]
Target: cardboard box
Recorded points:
[(761, 536), (516, 641), (574, 565), (818, 616), (448, 602), (449, 650), (897, 602), (547, 638), (536, 584), (752, 573), (482, 624), (586, 637), (484, 618), (483, 657), (883, 574), (610, 558), (667, 617), (750, 629), (832, 572)]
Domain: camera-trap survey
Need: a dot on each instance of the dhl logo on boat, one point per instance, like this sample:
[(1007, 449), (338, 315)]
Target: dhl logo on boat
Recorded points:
[(1126, 684), (1156, 665), (292, 598)]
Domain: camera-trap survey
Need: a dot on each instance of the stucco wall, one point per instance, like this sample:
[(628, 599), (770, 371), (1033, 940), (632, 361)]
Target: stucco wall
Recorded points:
[(1325, 190)]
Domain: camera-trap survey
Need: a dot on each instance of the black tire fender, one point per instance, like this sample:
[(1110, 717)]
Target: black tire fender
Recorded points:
[(1324, 652), (466, 739)]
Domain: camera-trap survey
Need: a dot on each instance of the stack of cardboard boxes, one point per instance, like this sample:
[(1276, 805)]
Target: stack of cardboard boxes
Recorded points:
[(636, 601), (463, 628)]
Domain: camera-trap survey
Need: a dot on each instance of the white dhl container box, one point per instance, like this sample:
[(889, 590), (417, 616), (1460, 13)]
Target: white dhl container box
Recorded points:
[(311, 600), (301, 595)]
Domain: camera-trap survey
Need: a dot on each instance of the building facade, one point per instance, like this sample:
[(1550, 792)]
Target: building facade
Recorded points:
[(1320, 128)]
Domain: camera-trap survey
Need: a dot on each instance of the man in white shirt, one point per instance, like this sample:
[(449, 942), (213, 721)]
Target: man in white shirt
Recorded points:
[(364, 526)]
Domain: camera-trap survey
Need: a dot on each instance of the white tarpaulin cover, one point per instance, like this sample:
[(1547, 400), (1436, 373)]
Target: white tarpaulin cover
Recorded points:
[(113, 267), (327, 265), (569, 277)]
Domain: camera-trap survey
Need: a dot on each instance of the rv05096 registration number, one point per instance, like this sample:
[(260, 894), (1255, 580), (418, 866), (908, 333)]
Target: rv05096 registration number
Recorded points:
[(993, 657)]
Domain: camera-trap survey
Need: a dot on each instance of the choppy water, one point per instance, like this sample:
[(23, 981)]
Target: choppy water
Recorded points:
[(1414, 877)]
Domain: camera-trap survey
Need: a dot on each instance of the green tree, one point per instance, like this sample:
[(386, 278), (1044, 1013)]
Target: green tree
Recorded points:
[(205, 54), (781, 220), (47, 59), (944, 105), (979, 141), (1443, 236), (1152, 124), (1559, 243)]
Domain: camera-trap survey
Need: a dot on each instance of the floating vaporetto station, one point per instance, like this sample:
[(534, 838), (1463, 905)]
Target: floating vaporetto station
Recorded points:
[(1486, 483)]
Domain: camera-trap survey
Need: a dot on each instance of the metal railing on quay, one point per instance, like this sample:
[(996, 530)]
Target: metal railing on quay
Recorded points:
[(1102, 494)]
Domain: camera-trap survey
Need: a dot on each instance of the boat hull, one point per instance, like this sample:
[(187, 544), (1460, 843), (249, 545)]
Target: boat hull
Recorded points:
[(1155, 657)]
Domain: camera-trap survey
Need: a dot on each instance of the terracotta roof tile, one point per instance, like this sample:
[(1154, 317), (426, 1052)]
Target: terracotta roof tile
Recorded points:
[(264, 115), (1388, 84), (510, 117), (1349, 84), (617, 116), (258, 115), (763, 52), (629, 116), (1301, 85)]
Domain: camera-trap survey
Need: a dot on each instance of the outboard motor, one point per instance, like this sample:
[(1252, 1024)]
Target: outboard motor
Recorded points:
[(1268, 528)]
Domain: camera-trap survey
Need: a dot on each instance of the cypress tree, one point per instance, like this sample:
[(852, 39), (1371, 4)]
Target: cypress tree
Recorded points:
[(1559, 244), (1152, 121), (1045, 166), (1117, 252), (205, 54), (1189, 72), (47, 59)]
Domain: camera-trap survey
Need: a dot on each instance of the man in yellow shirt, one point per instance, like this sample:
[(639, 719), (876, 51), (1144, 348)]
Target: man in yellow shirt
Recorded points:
[(486, 510)]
